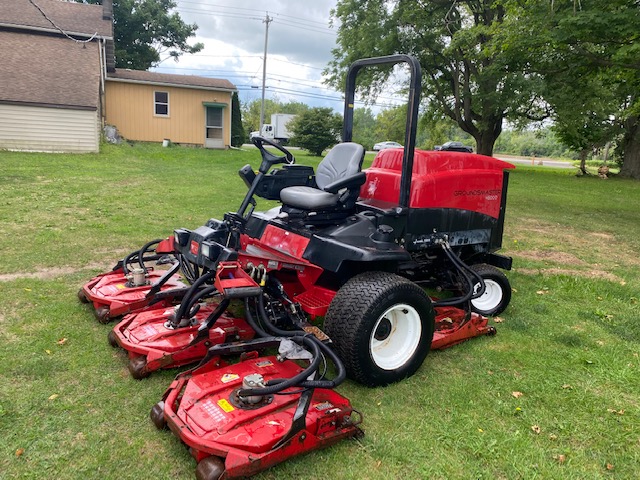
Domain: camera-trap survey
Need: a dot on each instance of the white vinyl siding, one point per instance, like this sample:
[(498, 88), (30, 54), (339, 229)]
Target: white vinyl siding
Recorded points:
[(48, 129)]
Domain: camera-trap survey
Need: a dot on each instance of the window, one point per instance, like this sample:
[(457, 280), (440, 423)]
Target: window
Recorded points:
[(161, 103)]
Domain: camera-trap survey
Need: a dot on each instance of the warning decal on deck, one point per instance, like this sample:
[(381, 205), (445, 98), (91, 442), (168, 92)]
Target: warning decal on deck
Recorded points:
[(225, 405)]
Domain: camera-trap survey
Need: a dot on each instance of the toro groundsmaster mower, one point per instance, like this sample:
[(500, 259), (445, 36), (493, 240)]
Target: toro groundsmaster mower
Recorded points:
[(354, 248)]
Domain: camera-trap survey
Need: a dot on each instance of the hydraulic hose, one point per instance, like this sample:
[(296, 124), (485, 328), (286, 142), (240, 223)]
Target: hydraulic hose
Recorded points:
[(341, 374), (145, 249), (186, 300), (193, 306), (463, 268)]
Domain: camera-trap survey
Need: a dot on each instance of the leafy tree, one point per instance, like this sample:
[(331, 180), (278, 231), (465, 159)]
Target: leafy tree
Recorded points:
[(238, 135), (146, 29), (591, 50), (391, 124), (458, 44), (316, 129), (364, 124)]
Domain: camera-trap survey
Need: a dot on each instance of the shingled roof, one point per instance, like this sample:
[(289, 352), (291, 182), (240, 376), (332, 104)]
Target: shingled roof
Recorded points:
[(62, 72), (167, 79), (76, 19)]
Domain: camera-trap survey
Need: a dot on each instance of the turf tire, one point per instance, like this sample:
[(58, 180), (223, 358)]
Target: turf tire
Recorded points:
[(354, 318)]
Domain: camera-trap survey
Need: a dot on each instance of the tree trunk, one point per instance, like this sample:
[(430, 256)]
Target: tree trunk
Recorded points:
[(486, 139), (631, 163), (583, 160)]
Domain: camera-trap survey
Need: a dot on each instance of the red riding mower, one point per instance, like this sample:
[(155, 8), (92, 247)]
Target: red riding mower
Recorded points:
[(355, 247)]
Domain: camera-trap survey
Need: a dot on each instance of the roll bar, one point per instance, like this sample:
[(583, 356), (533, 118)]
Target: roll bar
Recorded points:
[(412, 113)]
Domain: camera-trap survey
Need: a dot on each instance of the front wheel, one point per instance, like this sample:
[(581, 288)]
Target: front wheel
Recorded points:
[(497, 293), (382, 327)]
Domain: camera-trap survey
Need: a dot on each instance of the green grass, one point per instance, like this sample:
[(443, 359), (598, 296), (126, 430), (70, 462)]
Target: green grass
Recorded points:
[(569, 341)]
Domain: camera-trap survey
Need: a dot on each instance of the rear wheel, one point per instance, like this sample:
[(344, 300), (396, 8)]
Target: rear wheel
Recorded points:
[(382, 327), (210, 468), (82, 297), (102, 314), (112, 338), (497, 294), (157, 416), (137, 367)]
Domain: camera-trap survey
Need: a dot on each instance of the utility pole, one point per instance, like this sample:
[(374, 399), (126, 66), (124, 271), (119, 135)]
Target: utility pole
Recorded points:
[(266, 21)]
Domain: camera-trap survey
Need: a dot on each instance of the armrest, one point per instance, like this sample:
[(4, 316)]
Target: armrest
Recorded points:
[(353, 181)]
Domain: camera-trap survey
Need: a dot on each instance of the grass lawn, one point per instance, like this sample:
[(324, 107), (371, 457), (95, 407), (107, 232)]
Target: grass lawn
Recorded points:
[(555, 395)]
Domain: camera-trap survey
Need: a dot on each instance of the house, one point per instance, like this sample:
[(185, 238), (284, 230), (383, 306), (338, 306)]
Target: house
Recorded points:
[(151, 106), (59, 85), (52, 69)]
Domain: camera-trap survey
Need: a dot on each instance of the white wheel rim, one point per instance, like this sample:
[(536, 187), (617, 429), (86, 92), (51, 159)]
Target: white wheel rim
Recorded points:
[(402, 322), (491, 297)]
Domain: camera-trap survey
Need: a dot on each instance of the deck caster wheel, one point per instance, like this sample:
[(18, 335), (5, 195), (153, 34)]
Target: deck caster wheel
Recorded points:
[(210, 468), (497, 294), (82, 297), (138, 367), (112, 338), (157, 416), (102, 315)]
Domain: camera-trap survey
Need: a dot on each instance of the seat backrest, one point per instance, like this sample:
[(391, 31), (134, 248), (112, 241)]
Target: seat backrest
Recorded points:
[(343, 160)]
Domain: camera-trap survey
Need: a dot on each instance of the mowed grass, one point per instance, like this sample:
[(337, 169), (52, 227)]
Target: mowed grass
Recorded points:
[(556, 394)]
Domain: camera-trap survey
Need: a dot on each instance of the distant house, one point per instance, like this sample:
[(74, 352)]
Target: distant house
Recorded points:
[(150, 106), (59, 85), (53, 63)]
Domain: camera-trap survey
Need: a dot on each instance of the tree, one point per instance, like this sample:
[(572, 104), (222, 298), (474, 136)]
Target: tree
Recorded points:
[(238, 135), (145, 29), (391, 124), (592, 51), (458, 44), (316, 129), (364, 124)]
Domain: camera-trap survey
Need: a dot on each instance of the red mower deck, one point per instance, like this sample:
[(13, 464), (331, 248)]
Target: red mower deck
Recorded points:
[(231, 441), (152, 346), (454, 325), (112, 297)]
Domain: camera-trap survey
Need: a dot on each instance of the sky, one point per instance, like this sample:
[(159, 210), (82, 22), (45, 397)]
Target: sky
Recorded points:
[(233, 32)]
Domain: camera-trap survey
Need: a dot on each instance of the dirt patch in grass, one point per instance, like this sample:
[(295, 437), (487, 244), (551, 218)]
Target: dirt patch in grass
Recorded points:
[(592, 274), (545, 240), (550, 256), (49, 273)]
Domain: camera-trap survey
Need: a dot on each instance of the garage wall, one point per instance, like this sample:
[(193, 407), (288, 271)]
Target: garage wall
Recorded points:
[(48, 129)]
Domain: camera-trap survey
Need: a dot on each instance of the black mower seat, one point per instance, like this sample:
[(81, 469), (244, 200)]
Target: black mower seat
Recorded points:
[(338, 180)]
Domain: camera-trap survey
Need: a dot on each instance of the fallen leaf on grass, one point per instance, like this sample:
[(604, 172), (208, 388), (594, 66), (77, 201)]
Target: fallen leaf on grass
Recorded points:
[(27, 289), (481, 430), (19, 452), (542, 292), (498, 320), (516, 394), (48, 352), (609, 466), (566, 386), (54, 396), (617, 412), (378, 463), (514, 290), (560, 458), (553, 436), (62, 341), (536, 429)]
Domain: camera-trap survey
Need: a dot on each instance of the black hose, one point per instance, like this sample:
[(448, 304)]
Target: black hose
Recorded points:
[(463, 268), (145, 249), (193, 307), (186, 300), (341, 374)]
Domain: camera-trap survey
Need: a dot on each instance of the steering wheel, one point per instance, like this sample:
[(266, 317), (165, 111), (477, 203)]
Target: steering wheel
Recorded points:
[(269, 158)]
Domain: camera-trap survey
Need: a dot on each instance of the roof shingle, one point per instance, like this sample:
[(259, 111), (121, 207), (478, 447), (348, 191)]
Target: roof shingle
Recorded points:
[(73, 18)]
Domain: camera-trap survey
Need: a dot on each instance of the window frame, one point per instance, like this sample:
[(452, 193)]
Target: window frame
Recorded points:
[(156, 103)]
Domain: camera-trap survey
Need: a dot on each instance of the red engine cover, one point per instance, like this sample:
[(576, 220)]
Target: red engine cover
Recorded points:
[(464, 181)]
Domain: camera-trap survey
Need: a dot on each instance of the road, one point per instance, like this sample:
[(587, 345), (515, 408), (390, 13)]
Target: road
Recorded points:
[(545, 162)]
